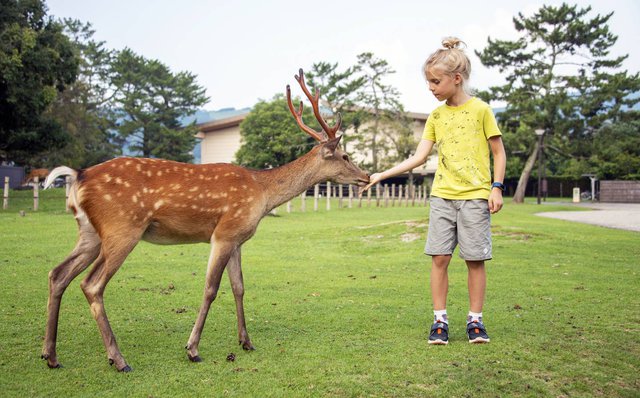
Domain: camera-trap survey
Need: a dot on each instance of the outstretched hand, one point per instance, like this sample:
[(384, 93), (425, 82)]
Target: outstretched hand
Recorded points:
[(373, 180)]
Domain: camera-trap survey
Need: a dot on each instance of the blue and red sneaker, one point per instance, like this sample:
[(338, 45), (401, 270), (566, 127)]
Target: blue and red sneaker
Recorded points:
[(439, 334), (477, 333)]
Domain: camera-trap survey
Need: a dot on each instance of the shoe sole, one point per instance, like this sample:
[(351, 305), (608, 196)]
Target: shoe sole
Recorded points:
[(438, 342), (479, 340)]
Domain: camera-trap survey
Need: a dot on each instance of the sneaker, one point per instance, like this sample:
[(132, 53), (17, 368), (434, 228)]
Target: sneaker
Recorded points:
[(439, 334), (477, 333)]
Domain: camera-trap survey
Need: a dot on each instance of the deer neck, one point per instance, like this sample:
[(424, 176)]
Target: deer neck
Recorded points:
[(290, 180)]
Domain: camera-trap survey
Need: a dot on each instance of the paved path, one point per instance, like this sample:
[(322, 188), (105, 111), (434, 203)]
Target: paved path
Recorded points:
[(611, 215)]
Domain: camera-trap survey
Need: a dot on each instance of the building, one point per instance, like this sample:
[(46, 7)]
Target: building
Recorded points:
[(220, 140)]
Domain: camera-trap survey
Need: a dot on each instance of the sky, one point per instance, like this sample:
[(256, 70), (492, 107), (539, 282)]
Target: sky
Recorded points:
[(243, 51)]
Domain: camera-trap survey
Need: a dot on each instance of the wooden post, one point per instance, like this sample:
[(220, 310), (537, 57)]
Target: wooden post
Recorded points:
[(339, 196), (303, 200), (67, 189), (393, 195), (413, 195), (328, 195), (36, 186), (406, 196), (5, 201), (289, 207), (316, 194), (386, 195), (369, 198), (351, 188)]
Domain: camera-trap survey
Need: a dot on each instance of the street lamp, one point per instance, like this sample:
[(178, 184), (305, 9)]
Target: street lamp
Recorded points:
[(540, 134)]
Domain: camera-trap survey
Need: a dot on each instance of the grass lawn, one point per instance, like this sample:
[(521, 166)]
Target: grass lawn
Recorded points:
[(337, 305)]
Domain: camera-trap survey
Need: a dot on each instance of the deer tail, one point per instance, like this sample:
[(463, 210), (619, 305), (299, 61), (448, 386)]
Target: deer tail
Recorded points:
[(60, 171)]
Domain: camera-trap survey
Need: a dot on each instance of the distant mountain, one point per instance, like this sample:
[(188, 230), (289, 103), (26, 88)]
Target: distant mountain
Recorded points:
[(203, 116)]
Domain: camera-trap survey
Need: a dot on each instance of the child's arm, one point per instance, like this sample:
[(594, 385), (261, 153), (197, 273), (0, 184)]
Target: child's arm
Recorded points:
[(419, 157), (499, 166)]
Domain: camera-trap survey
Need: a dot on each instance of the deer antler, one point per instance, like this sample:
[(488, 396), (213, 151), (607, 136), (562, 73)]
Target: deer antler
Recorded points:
[(328, 132)]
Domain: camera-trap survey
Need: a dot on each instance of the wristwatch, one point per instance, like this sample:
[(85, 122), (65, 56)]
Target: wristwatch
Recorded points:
[(498, 185)]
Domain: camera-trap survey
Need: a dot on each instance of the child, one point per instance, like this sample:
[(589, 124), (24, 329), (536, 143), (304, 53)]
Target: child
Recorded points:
[(462, 196)]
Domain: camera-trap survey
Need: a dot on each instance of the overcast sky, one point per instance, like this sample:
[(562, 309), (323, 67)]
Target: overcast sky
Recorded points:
[(246, 50)]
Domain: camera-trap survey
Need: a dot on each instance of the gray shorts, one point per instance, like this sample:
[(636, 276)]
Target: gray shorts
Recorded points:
[(467, 222)]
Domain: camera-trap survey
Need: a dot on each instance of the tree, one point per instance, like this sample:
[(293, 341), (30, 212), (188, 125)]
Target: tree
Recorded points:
[(381, 104), (85, 108), (560, 78), (339, 94), (616, 153), (37, 62), (152, 101), (271, 137)]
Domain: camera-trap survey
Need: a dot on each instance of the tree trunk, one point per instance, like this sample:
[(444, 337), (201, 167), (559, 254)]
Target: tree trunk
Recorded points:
[(518, 197)]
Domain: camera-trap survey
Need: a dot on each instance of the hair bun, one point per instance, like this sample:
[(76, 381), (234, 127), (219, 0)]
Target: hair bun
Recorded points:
[(452, 42)]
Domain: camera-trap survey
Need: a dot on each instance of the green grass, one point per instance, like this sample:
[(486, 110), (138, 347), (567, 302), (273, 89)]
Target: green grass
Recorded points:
[(338, 305)]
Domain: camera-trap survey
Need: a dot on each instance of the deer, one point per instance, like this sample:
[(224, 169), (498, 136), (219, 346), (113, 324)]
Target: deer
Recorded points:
[(124, 200), (41, 174)]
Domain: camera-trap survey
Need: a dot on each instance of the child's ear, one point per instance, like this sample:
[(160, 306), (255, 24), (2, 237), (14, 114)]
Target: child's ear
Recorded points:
[(329, 147)]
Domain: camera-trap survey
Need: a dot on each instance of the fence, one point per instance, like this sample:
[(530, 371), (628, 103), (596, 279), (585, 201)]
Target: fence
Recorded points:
[(36, 193), (346, 195)]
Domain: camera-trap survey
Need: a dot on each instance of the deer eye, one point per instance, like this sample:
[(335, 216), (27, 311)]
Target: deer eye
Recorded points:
[(345, 158)]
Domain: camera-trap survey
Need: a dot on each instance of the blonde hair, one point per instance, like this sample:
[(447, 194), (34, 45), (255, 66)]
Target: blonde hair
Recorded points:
[(451, 59)]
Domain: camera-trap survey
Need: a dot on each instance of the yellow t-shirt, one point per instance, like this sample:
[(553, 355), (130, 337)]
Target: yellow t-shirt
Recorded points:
[(461, 134)]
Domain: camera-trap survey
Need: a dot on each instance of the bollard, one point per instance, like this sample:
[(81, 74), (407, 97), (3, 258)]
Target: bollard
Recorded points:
[(5, 202), (36, 186), (316, 193)]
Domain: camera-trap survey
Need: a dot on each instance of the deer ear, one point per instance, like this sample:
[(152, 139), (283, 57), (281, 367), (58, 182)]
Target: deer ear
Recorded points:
[(329, 147)]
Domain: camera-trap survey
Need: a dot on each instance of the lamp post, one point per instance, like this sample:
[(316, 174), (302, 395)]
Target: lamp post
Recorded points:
[(540, 134)]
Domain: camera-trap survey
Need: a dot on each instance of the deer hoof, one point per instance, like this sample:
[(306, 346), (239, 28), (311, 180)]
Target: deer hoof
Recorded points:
[(126, 369), (247, 346), (54, 366), (195, 358)]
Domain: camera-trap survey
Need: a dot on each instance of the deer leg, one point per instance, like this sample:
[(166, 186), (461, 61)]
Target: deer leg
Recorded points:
[(220, 254), (234, 270), (112, 255), (85, 252)]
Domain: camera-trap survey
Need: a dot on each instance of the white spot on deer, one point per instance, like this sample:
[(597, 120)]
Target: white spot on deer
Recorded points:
[(107, 178), (194, 207), (149, 173), (134, 199), (233, 189), (159, 174), (107, 197), (194, 189), (158, 204), (249, 199), (126, 184), (225, 208), (128, 162), (142, 204), (237, 213), (175, 187), (215, 178)]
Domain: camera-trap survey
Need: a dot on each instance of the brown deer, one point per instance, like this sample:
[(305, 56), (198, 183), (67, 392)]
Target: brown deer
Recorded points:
[(41, 174), (122, 201)]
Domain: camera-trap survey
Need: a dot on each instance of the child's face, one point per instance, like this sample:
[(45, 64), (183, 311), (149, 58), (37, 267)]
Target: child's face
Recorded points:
[(442, 84)]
